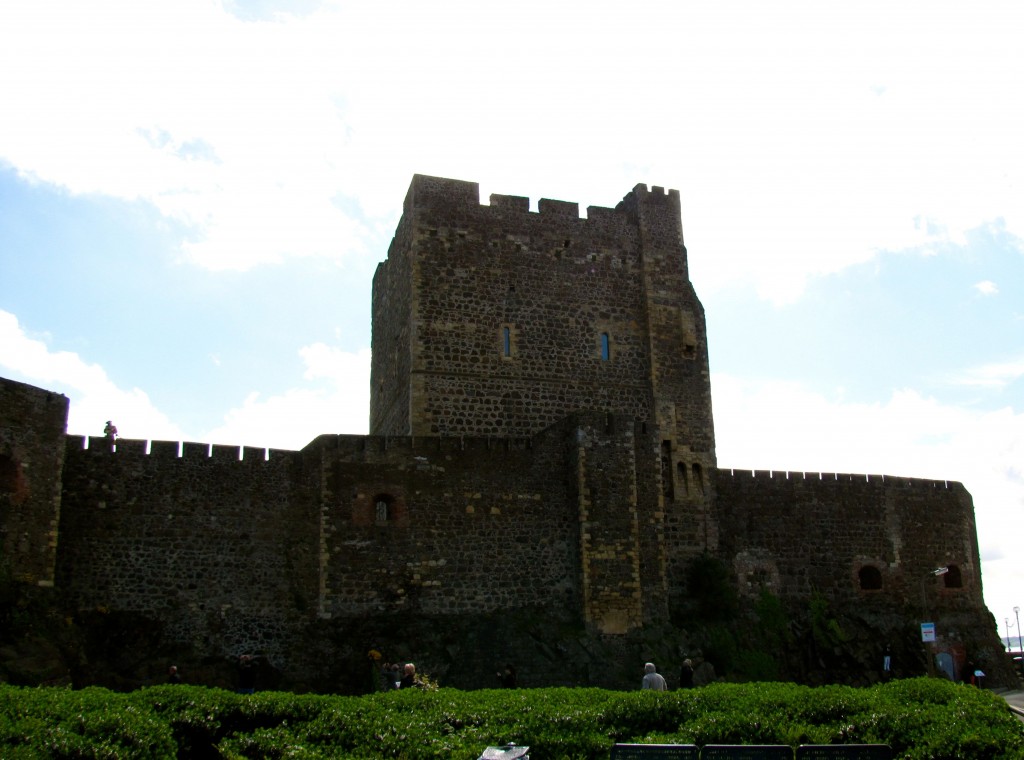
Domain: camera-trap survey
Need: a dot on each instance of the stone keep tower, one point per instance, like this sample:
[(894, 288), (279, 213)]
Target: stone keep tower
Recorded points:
[(498, 321), (495, 321)]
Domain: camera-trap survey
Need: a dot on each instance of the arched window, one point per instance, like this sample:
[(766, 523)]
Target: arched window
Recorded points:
[(870, 578), (382, 508), (667, 485), (953, 579)]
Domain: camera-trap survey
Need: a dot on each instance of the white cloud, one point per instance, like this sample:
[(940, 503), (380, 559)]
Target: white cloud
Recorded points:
[(995, 375), (335, 400), (803, 139), (94, 397), (785, 427), (337, 404), (986, 287)]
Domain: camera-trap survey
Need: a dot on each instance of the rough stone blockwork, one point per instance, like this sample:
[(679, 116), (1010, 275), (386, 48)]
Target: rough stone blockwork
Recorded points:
[(32, 427)]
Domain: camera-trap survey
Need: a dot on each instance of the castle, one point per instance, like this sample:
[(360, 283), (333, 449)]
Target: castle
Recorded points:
[(539, 478)]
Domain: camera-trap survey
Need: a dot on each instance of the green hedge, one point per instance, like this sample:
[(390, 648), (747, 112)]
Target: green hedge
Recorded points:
[(921, 719)]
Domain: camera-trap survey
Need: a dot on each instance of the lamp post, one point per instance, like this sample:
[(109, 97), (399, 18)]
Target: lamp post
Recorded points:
[(1008, 644), (936, 572), (1016, 611), (924, 604)]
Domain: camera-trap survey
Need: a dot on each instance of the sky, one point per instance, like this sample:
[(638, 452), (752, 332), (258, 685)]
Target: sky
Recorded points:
[(194, 197)]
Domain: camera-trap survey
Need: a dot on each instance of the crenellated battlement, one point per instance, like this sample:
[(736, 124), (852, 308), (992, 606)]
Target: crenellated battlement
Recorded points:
[(655, 195), (167, 450), (450, 195), (840, 477), (344, 444)]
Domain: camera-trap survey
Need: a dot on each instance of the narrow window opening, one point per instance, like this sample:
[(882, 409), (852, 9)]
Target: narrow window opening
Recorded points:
[(382, 511), (506, 341), (10, 474), (953, 579), (870, 578), (606, 349), (698, 479), (684, 478), (667, 486)]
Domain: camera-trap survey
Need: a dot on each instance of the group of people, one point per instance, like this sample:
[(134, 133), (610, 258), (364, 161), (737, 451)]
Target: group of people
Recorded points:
[(689, 676), (399, 677), (248, 667)]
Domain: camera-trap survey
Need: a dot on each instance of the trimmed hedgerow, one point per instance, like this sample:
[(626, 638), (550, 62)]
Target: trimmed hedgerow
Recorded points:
[(921, 719)]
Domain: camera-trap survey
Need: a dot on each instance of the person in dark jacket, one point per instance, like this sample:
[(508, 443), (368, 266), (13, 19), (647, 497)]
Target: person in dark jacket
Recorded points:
[(508, 677), (247, 668), (686, 674), (408, 677)]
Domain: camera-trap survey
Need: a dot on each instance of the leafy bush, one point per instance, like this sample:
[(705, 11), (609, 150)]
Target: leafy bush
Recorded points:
[(96, 723), (921, 719)]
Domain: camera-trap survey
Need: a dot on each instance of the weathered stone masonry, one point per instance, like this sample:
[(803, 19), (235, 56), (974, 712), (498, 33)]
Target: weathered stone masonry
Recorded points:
[(800, 533), (220, 547), (32, 427), (542, 446)]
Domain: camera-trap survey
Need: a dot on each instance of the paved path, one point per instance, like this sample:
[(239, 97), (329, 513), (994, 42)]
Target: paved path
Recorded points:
[(1015, 699)]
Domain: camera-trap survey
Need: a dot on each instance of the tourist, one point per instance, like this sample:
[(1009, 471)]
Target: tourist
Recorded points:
[(247, 668), (390, 676), (686, 674), (408, 677), (653, 680), (508, 677)]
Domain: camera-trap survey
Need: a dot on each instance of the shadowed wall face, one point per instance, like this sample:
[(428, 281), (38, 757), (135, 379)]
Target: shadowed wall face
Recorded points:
[(32, 427)]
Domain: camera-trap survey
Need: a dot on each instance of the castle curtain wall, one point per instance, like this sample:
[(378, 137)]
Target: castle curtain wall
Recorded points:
[(446, 526), (221, 550), (797, 534)]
